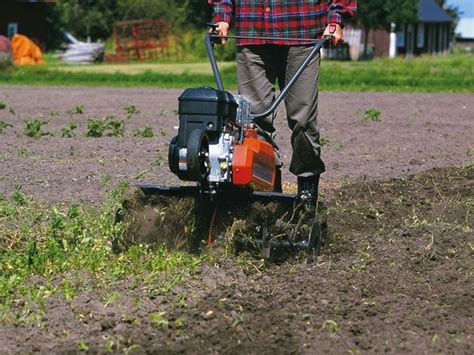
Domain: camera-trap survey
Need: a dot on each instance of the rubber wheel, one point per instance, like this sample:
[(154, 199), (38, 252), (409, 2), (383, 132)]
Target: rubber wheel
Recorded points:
[(173, 158), (314, 240), (198, 156)]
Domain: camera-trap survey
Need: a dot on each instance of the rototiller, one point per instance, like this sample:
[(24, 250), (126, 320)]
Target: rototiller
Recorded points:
[(219, 147)]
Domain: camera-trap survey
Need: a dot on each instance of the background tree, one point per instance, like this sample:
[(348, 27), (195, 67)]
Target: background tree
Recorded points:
[(452, 11), (182, 13), (94, 18), (379, 14), (87, 18)]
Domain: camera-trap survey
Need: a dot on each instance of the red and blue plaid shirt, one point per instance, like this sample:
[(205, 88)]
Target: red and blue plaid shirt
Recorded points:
[(281, 18)]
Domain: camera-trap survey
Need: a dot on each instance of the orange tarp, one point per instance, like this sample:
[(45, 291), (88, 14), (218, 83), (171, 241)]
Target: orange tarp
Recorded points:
[(25, 52)]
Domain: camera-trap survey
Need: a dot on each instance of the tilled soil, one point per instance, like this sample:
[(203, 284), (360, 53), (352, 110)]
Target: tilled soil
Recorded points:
[(395, 274), (416, 132)]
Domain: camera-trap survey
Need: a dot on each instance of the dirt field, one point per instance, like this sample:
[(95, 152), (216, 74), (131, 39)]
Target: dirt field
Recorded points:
[(416, 132), (395, 274)]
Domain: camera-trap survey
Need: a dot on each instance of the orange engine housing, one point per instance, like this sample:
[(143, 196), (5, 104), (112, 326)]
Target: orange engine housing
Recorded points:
[(254, 163)]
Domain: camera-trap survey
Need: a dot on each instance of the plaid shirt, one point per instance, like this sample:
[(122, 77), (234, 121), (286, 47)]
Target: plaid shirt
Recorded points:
[(281, 18)]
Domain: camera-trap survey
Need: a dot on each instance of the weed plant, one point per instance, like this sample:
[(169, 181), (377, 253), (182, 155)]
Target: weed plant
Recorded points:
[(2, 105), (78, 110), (131, 110), (4, 125), (50, 251), (372, 114), (69, 130), (324, 141), (33, 128), (107, 126), (146, 132)]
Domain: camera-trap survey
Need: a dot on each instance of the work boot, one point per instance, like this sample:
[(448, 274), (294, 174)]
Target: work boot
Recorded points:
[(308, 189)]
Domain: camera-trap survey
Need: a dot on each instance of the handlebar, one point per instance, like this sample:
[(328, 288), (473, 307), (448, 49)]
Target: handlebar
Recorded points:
[(210, 38)]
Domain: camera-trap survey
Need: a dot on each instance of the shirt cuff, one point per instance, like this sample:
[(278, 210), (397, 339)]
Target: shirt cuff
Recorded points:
[(334, 17), (222, 18)]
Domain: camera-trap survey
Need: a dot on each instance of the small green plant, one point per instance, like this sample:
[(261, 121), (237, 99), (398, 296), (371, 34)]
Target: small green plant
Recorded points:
[(78, 110), (95, 127), (105, 179), (323, 141), (158, 320), (372, 114), (2, 105), (33, 128), (68, 131), (115, 127), (159, 160), (131, 110), (140, 175), (107, 126), (22, 152), (163, 132), (332, 326), (83, 346), (146, 132), (112, 298), (4, 125), (18, 196)]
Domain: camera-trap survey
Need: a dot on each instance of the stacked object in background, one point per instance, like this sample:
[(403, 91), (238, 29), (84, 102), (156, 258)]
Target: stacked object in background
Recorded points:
[(78, 52)]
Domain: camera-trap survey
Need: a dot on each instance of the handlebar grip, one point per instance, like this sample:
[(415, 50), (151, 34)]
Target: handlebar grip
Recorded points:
[(215, 39), (213, 26), (328, 39)]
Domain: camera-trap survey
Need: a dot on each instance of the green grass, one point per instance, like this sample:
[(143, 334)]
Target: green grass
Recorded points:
[(453, 73), (52, 250)]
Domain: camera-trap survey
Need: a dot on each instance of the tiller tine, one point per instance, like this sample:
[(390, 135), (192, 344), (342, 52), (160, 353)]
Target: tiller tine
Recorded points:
[(270, 225)]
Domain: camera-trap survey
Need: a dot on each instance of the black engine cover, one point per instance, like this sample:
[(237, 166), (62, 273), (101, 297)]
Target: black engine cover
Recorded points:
[(204, 108)]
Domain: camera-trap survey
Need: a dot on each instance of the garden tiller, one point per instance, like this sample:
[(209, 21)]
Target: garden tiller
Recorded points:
[(219, 147)]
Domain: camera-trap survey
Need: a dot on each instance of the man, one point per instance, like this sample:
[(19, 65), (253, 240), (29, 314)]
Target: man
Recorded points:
[(260, 63)]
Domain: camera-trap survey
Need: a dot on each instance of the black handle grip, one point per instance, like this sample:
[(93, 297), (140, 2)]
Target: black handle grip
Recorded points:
[(213, 26)]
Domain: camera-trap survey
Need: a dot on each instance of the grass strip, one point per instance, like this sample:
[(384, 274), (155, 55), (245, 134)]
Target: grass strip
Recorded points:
[(452, 73), (47, 250)]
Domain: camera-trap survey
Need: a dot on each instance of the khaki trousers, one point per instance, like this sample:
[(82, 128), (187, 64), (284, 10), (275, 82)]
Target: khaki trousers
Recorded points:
[(259, 68)]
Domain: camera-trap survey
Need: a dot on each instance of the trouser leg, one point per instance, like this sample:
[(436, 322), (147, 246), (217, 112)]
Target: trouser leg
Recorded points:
[(302, 111), (256, 75), (257, 72)]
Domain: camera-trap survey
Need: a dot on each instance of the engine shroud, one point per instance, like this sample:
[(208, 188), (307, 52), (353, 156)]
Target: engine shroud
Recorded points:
[(204, 108), (217, 142)]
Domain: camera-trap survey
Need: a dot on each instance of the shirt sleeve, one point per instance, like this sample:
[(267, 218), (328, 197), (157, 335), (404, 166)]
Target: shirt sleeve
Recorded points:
[(341, 10), (223, 10)]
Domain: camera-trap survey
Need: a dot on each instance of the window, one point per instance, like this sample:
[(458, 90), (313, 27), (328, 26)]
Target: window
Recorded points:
[(401, 39), (420, 39), (12, 29)]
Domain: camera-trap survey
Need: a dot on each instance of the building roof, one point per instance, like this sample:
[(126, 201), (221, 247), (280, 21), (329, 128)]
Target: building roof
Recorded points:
[(429, 11), (465, 28)]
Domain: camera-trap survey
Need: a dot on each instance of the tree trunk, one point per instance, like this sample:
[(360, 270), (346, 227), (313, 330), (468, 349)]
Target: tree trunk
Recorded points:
[(366, 43)]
